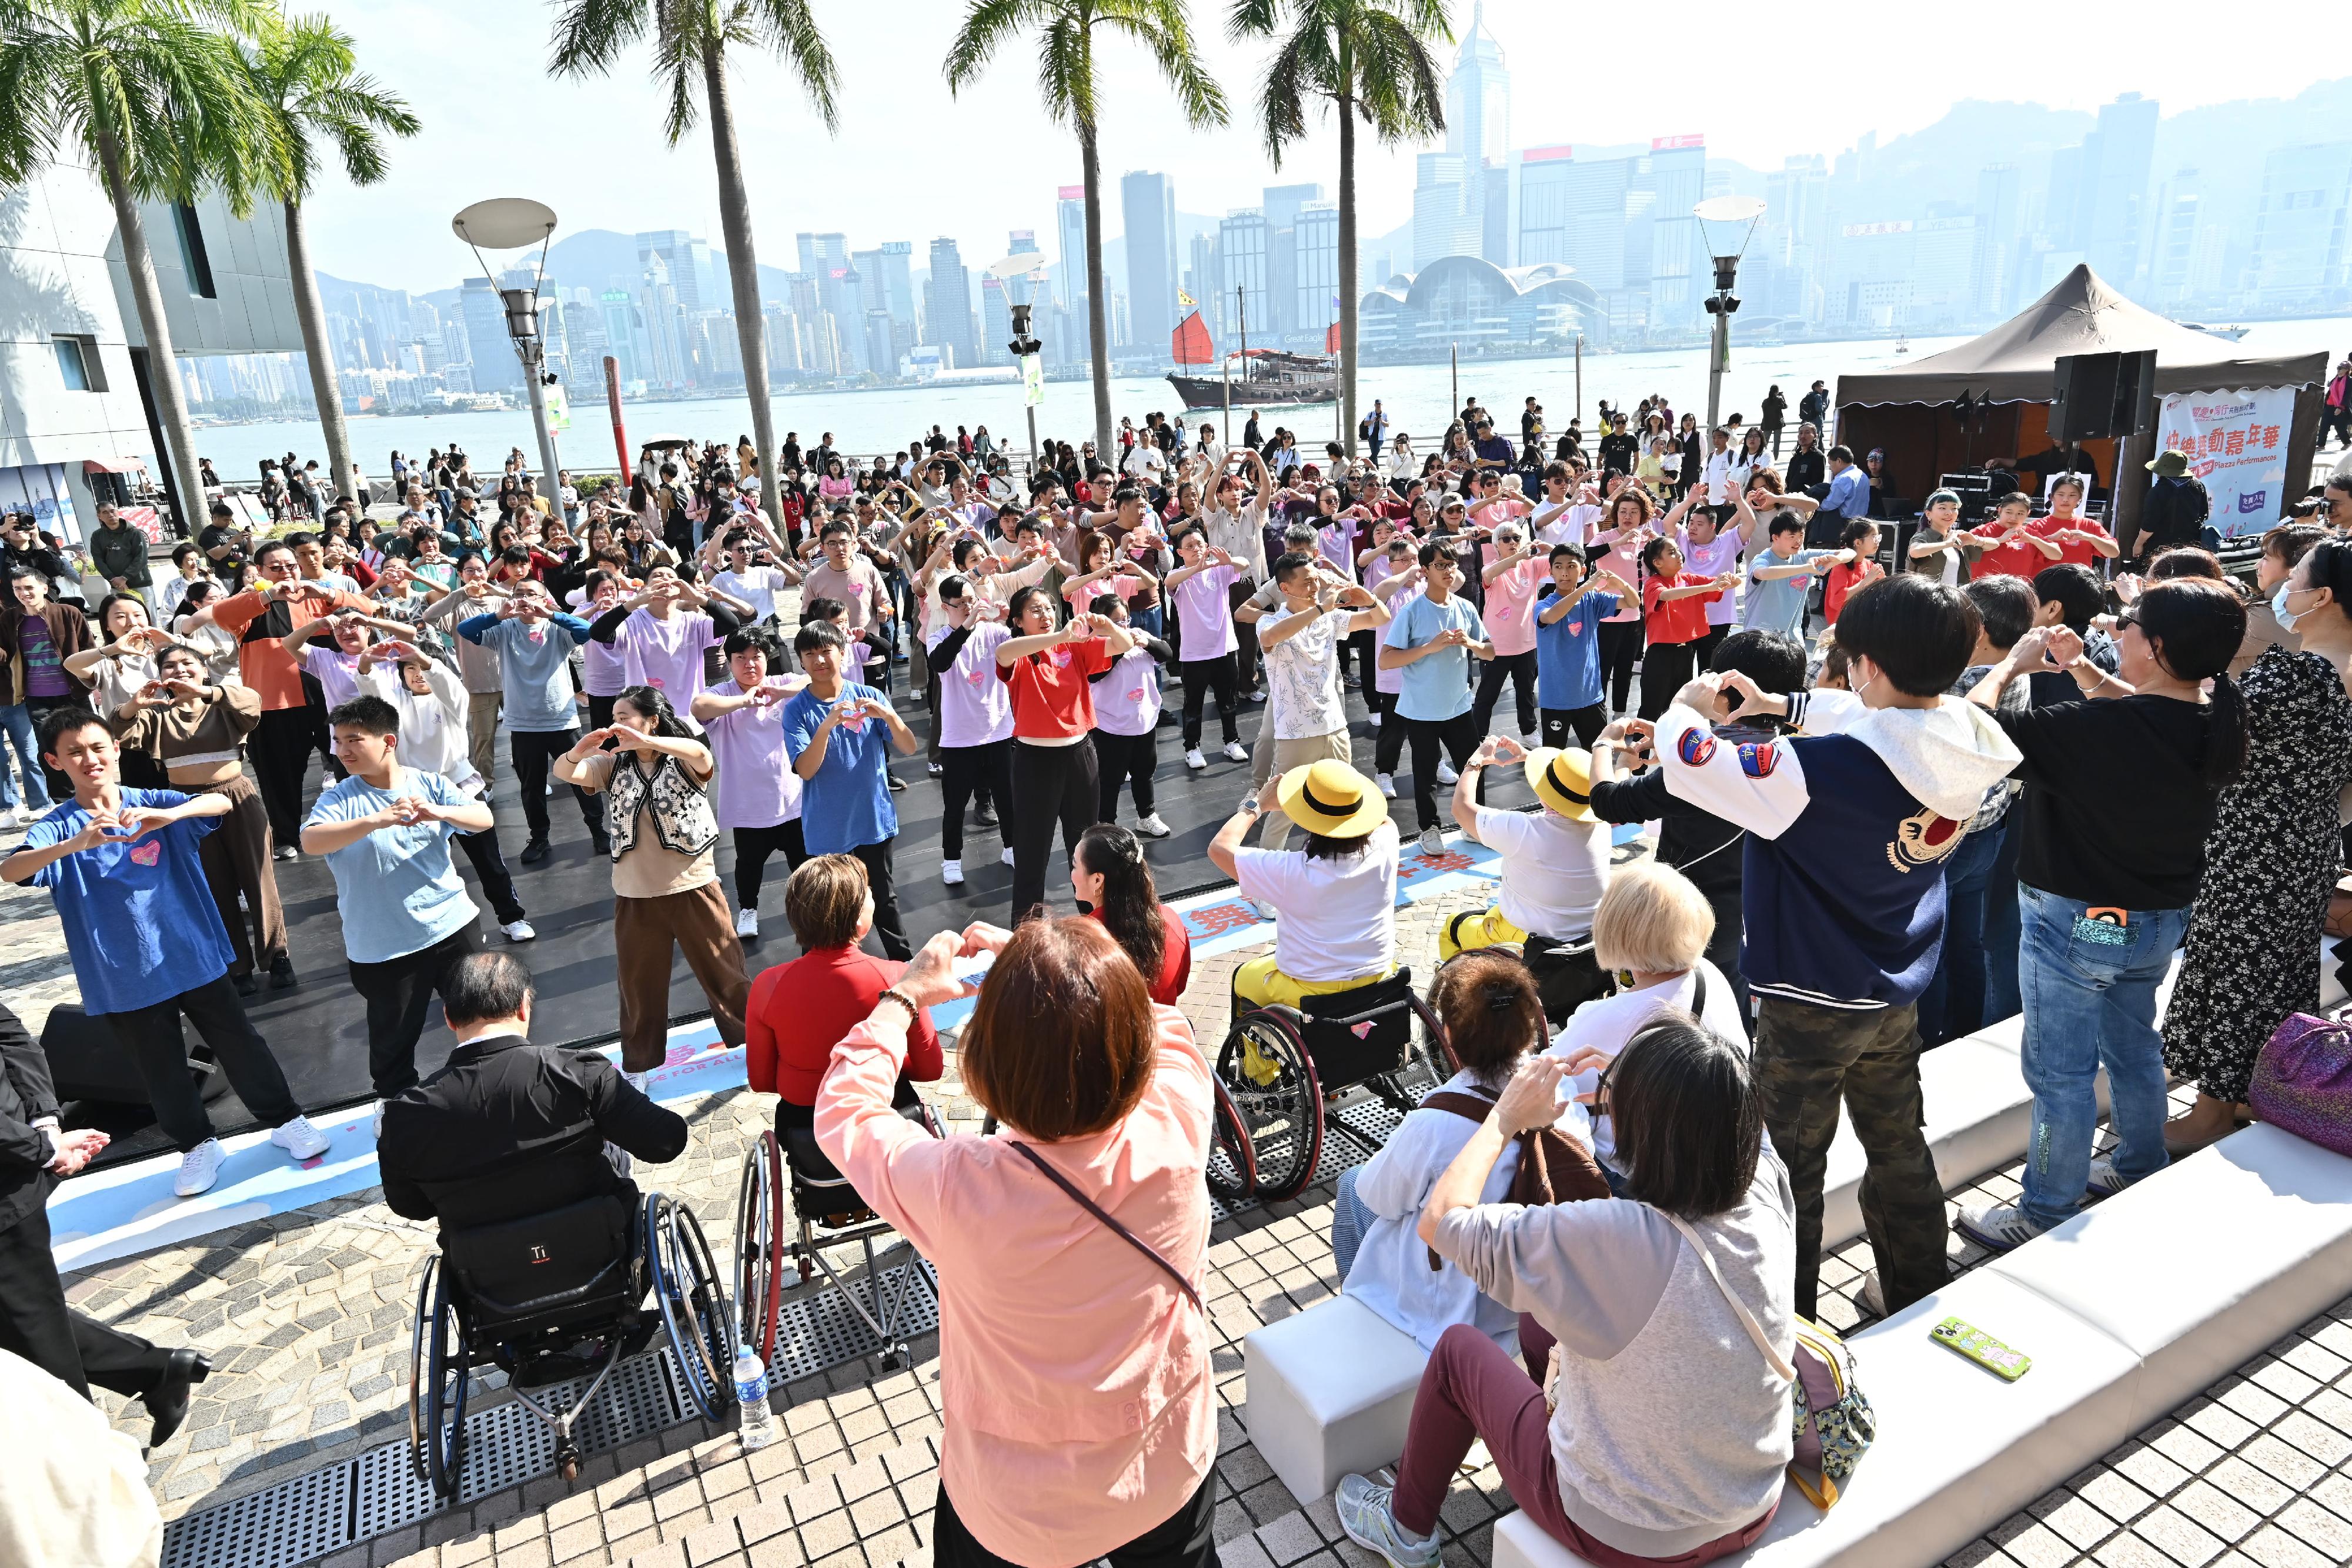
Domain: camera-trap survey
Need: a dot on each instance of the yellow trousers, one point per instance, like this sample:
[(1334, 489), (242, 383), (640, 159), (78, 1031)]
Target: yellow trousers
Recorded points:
[(1258, 981), (1467, 932)]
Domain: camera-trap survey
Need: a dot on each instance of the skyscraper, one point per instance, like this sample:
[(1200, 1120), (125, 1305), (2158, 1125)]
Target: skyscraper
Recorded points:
[(1996, 187), (1443, 220), (687, 261), (1071, 344), (1315, 275), (1545, 174), (896, 262), (947, 304), (995, 321), (1241, 256), (821, 252), (1148, 202), (2300, 246), (496, 368), (1478, 95), (2116, 205)]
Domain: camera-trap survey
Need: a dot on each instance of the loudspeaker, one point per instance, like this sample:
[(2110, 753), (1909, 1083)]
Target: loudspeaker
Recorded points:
[(2099, 397), (87, 1062)]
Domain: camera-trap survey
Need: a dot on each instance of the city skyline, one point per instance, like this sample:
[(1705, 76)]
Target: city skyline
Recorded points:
[(989, 161)]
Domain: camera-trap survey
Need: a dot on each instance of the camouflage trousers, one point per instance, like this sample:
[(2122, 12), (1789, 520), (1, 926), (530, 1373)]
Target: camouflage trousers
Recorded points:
[(1809, 1059)]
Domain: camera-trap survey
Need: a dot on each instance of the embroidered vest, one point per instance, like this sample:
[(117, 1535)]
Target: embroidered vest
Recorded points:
[(679, 807)]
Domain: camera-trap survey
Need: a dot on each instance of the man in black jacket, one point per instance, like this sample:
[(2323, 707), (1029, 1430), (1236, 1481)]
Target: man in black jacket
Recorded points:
[(34, 1322), (120, 552), (2174, 513), (507, 1129), (1695, 843)]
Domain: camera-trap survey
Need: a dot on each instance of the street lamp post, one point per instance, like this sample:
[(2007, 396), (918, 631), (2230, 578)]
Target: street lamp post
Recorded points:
[(511, 223), (1726, 215)]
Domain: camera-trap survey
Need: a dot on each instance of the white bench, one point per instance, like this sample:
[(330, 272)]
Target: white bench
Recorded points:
[(2126, 1311), (1330, 1391)]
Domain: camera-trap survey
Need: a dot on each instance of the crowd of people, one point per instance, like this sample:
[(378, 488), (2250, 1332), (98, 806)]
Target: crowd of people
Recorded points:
[(1897, 796)]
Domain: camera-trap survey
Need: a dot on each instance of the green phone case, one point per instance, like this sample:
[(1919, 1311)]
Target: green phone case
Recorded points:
[(1980, 1347)]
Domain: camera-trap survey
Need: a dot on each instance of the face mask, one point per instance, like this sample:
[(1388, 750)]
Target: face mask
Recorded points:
[(2286, 618)]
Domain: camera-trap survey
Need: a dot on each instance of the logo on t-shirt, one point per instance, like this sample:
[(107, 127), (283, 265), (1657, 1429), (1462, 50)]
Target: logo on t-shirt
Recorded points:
[(1695, 746), (1923, 840), (1758, 758), (1061, 658), (147, 853)]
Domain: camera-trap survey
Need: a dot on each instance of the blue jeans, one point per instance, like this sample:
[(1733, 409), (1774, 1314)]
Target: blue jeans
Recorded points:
[(1953, 1005), (1349, 1219), (2089, 988), (17, 723)]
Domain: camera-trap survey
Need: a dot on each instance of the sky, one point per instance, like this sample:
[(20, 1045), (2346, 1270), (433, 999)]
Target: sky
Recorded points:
[(912, 162)]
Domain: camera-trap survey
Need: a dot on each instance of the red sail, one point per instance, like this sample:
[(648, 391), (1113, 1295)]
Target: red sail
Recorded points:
[(1331, 339), (1192, 345)]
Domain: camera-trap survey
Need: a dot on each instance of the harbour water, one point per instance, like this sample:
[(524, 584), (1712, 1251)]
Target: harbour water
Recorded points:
[(1419, 399)]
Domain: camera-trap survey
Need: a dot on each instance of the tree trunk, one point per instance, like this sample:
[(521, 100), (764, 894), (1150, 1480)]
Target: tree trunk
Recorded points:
[(1348, 301), (163, 367), (1097, 311), (742, 277), (324, 389)]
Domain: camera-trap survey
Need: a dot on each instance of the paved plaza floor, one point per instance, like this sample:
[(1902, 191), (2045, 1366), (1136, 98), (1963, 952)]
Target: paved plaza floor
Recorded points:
[(307, 1317)]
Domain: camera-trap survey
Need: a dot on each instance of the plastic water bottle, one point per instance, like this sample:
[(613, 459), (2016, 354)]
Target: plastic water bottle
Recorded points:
[(759, 1427)]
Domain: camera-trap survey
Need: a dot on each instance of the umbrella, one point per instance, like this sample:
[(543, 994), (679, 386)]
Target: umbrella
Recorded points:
[(666, 443)]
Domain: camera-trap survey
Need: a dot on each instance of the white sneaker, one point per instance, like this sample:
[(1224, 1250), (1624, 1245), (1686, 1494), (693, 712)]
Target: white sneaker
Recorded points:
[(1233, 752), (1446, 773), (1374, 718), (20, 814), (1388, 784), (1872, 1297), (1530, 738), (1194, 760), (747, 923), (1999, 1226), (1006, 857), (1151, 827), (516, 931), (637, 1080), (286, 852), (299, 1138), (951, 873), (1433, 841), (2105, 1182), (199, 1168), (377, 1133)]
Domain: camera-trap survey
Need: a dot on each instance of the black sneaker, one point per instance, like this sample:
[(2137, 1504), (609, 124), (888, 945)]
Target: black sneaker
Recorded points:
[(534, 852), (281, 974), (897, 785), (167, 1402), (984, 814), (599, 841), (247, 984)]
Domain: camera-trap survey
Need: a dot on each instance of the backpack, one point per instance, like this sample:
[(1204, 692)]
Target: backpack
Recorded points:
[(1831, 1419)]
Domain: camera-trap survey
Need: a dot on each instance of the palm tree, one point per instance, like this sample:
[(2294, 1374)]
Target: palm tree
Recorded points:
[(303, 73), (152, 95), (1368, 58), (1065, 76), (691, 38)]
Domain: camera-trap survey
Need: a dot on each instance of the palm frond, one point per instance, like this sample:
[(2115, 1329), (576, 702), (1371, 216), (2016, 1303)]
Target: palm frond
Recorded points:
[(591, 36), (305, 72), (1290, 80), (1164, 28), (1399, 85), (1253, 19), (986, 26), (788, 29)]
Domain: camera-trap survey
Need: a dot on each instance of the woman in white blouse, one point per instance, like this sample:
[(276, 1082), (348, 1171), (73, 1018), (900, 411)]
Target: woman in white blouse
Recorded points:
[(1493, 1019)]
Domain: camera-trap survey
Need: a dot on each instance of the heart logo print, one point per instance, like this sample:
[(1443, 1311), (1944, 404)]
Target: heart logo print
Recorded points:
[(147, 853), (1362, 1031)]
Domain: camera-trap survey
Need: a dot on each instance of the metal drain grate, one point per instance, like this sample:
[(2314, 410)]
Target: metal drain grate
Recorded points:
[(354, 1499), (1366, 1114), (821, 1329), (304, 1518)]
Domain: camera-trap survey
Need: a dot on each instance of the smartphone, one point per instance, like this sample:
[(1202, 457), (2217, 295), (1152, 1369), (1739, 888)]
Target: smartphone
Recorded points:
[(1980, 1347)]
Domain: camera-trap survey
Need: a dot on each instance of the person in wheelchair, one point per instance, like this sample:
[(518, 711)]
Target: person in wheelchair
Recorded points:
[(799, 1011), (1334, 898), (1555, 863), (1493, 1019), (507, 1129), (1650, 932)]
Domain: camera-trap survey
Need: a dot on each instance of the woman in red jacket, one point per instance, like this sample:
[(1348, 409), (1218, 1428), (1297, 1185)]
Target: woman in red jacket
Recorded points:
[(1113, 885), (799, 1011)]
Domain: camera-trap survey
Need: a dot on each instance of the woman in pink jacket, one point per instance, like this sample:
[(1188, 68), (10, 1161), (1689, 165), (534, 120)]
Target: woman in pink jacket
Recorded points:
[(1074, 1356)]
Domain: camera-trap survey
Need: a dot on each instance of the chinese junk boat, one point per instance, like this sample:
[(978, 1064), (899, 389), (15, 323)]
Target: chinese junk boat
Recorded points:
[(1268, 376)]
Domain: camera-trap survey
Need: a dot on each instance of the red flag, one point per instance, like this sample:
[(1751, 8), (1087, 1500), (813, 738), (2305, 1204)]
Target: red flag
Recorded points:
[(1331, 339), (1191, 345)]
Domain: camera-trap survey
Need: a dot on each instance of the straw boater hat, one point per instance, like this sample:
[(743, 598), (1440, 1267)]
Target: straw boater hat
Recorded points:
[(1562, 779), (1332, 798)]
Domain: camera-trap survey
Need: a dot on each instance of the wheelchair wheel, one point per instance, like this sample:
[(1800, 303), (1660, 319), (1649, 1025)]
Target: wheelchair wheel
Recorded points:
[(694, 1309), (438, 1378), (760, 1246), (1233, 1166), (1266, 1072)]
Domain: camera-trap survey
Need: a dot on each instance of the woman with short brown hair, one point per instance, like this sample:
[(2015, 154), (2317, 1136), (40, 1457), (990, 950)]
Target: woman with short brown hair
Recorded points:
[(1074, 1356)]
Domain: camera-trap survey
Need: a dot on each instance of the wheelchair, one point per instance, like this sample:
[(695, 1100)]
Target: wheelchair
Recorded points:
[(555, 1297), (1280, 1065), (826, 1211)]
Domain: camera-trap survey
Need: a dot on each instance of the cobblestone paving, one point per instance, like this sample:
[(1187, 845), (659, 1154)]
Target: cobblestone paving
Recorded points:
[(307, 1318)]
